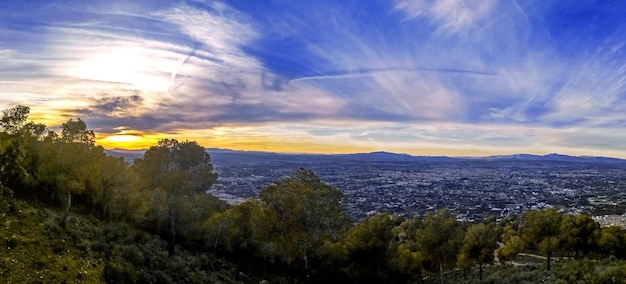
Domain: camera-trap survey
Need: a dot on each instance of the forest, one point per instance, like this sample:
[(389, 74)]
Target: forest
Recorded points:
[(72, 214)]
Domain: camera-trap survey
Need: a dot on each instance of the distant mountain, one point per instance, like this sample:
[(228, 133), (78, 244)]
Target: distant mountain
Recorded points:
[(379, 156), (387, 156), (557, 157), (218, 155)]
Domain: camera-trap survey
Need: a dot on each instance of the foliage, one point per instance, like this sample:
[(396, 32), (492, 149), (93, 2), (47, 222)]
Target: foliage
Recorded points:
[(300, 213), (478, 246), (613, 241), (512, 245), (541, 230), (173, 164), (440, 239), (13, 119), (12, 154), (176, 176), (365, 248), (406, 254), (580, 234), (236, 230)]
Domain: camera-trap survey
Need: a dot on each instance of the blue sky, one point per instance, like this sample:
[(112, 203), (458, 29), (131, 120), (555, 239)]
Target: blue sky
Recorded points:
[(449, 77)]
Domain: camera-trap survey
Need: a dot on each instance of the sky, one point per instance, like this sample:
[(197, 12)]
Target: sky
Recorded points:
[(423, 77)]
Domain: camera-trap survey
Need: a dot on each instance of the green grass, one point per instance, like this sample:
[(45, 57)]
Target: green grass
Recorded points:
[(35, 250)]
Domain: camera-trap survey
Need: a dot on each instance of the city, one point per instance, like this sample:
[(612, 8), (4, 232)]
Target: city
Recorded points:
[(473, 188)]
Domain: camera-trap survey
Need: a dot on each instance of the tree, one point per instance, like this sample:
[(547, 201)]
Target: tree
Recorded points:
[(366, 246), (68, 162), (12, 153), (178, 175), (478, 246), (31, 138), (580, 233), (300, 213), (406, 253), (171, 160), (541, 230), (440, 240), (20, 145), (75, 131), (13, 119), (512, 244), (236, 229), (115, 189), (613, 241)]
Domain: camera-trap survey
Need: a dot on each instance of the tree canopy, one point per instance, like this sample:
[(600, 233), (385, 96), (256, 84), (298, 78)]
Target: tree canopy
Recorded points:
[(300, 212)]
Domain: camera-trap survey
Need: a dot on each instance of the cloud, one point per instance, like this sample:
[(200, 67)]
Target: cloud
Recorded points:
[(220, 30), (406, 74), (450, 16), (114, 106)]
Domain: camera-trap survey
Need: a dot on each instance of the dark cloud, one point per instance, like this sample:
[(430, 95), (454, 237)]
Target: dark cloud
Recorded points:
[(113, 106), (146, 123)]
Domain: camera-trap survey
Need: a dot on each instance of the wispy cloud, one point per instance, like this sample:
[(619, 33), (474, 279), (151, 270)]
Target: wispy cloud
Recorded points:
[(450, 16), (407, 75)]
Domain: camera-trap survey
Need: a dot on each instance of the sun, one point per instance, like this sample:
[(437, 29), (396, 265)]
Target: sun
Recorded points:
[(123, 138), (125, 141)]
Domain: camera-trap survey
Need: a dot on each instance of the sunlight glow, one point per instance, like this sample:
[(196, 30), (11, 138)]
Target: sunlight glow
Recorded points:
[(132, 65), (123, 138)]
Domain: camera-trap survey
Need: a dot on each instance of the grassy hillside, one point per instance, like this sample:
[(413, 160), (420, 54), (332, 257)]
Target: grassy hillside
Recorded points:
[(36, 250)]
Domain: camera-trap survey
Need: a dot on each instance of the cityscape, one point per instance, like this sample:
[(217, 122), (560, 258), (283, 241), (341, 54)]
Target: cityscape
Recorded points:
[(404, 185), (473, 188)]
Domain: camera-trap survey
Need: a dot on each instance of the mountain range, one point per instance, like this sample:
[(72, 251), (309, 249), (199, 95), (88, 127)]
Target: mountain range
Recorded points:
[(224, 154)]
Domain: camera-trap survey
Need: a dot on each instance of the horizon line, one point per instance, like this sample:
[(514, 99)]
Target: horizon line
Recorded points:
[(512, 155)]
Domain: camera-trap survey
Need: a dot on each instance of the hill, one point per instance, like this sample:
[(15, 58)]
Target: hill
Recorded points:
[(89, 250)]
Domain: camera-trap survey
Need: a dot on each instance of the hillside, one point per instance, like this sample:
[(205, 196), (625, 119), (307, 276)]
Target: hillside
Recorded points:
[(37, 250)]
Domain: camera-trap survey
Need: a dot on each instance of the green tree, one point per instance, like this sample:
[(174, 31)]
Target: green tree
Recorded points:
[(20, 144), (181, 161), (31, 140), (67, 164), (75, 131), (12, 153), (406, 253), (440, 240), (613, 241), (479, 245), (541, 230), (366, 246), (511, 244), (115, 190), (178, 175), (236, 229), (580, 234), (300, 213), (13, 119)]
